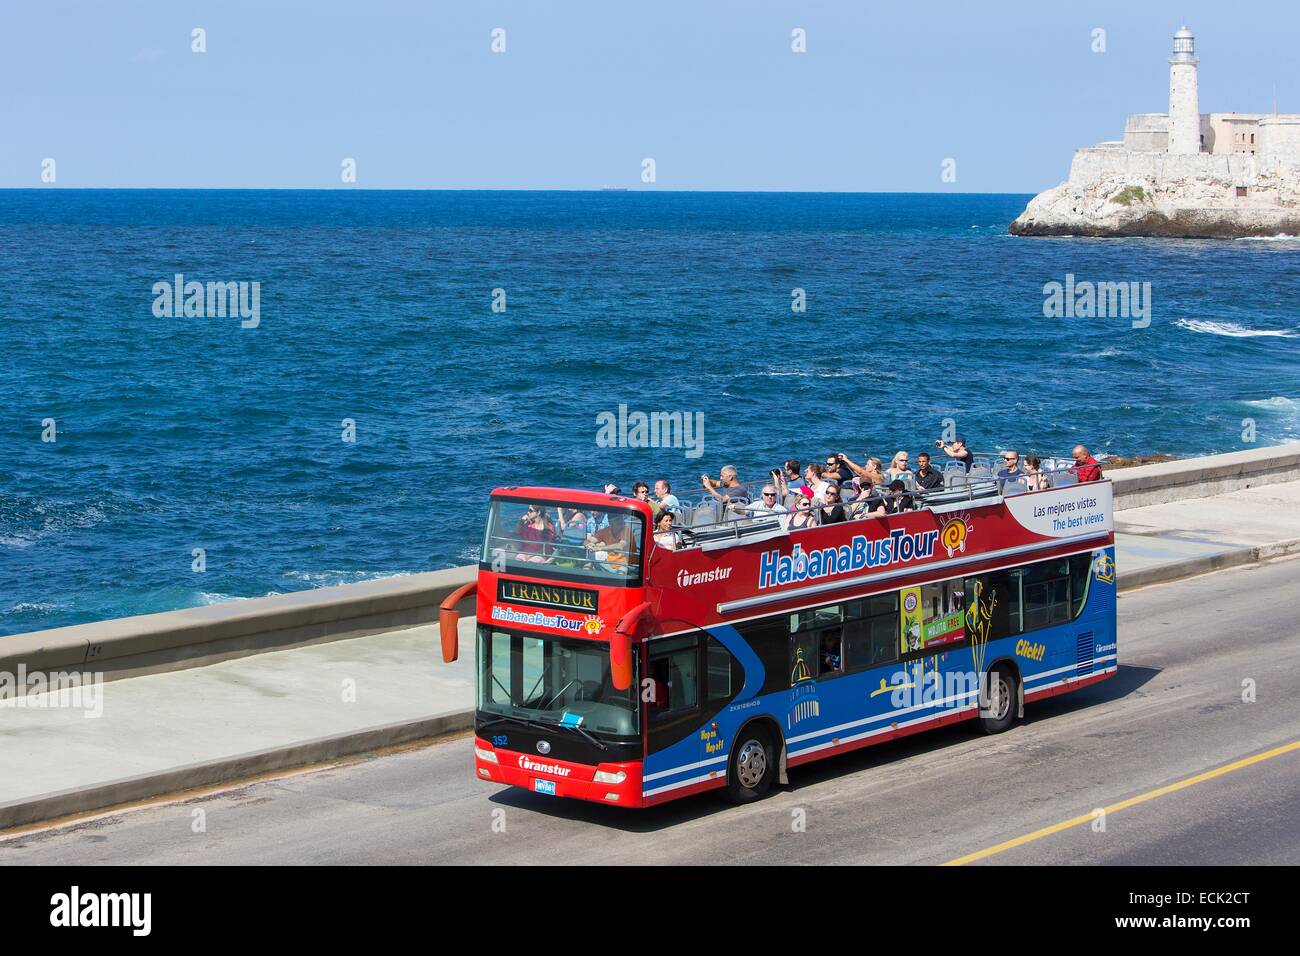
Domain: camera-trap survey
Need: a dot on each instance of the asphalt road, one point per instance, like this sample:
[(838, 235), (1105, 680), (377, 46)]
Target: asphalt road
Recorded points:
[(1174, 711)]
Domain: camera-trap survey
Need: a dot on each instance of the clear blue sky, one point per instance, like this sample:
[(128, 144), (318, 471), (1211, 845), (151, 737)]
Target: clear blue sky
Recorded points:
[(709, 88)]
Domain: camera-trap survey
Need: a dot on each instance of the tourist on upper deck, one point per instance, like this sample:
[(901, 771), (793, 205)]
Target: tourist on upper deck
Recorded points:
[(665, 536), (869, 501), (768, 503), (1034, 478), (1085, 466), (1010, 470), (832, 511), (898, 500), (641, 492), (790, 471), (611, 489), (836, 470), (536, 533), (727, 487), (815, 478), (926, 477), (956, 450), (615, 545), (897, 466), (573, 536), (667, 500), (802, 515), (870, 470)]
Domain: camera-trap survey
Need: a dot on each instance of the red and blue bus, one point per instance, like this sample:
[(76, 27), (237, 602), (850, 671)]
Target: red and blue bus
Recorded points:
[(614, 669)]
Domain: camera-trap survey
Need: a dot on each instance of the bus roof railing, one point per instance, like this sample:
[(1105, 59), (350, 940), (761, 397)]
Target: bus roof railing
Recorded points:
[(738, 526)]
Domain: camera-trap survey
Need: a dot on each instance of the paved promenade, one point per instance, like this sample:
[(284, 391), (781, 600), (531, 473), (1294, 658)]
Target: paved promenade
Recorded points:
[(238, 717)]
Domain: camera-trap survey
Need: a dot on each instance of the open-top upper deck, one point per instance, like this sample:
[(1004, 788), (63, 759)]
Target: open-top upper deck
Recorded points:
[(762, 567), (737, 564)]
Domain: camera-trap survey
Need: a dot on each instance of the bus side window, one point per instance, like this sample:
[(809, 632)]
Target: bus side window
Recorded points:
[(720, 668), (1080, 578), (770, 640), (830, 652), (803, 657), (993, 605), (874, 639), (675, 677)]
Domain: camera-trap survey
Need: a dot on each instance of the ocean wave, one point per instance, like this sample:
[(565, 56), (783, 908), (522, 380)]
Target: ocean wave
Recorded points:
[(1280, 237), (786, 372), (33, 607), (1233, 330), (1277, 402), (326, 579)]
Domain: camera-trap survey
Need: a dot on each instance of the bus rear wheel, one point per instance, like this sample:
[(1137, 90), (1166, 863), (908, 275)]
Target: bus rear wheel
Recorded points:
[(999, 711), (751, 767)]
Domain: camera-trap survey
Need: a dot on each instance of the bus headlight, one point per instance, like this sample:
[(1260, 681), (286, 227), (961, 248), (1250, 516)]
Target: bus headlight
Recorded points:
[(487, 756), (604, 776)]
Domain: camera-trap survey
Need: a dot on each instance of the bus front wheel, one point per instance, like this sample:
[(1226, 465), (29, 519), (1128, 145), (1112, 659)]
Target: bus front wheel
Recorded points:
[(752, 766), (999, 710)]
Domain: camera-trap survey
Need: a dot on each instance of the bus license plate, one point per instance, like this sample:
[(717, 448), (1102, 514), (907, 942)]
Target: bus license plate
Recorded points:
[(545, 786)]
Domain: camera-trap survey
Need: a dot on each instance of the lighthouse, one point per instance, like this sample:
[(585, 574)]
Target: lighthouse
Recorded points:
[(1184, 108)]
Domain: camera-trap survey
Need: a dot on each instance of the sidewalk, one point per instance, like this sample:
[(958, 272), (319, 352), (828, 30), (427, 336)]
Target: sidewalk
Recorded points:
[(1162, 542), (168, 732), (200, 726)]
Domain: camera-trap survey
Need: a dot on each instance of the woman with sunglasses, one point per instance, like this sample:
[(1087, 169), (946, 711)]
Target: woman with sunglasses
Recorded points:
[(898, 466), (802, 516), (536, 534), (831, 512)]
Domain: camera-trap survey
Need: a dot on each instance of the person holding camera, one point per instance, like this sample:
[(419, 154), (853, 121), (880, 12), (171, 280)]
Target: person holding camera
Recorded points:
[(956, 449), (727, 487)]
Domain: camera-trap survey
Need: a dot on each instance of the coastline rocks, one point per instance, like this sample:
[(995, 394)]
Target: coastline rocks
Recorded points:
[(1148, 194)]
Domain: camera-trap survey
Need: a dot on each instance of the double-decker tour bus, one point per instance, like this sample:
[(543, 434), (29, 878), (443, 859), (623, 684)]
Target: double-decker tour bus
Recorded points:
[(627, 667)]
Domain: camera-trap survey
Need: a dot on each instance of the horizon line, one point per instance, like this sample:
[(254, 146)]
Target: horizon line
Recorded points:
[(516, 189)]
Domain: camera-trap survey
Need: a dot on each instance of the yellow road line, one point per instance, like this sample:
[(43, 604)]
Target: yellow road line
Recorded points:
[(1125, 804)]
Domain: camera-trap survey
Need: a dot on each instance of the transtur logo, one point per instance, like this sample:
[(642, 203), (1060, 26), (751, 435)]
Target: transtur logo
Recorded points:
[(686, 579), (593, 625), (528, 763)]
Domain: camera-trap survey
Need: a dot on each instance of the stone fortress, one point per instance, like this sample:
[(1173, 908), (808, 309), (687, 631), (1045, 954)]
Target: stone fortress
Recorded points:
[(1183, 173)]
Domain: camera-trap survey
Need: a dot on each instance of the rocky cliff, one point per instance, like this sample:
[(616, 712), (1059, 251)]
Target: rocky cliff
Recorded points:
[(1116, 192)]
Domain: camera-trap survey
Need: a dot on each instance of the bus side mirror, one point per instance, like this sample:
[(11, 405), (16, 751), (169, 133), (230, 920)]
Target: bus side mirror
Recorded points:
[(620, 661), (449, 620), (620, 644)]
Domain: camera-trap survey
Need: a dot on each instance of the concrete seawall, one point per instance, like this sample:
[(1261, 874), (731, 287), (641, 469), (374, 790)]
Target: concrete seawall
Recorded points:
[(153, 643), (193, 637), (1205, 477)]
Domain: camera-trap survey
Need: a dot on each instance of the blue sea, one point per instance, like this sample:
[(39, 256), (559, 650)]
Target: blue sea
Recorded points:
[(178, 433)]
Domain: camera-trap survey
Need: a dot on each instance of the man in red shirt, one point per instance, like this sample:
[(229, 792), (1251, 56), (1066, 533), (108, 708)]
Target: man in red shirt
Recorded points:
[(1085, 466)]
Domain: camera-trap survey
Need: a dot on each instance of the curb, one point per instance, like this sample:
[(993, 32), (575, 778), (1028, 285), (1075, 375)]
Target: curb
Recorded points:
[(48, 806), (1190, 567), (227, 770)]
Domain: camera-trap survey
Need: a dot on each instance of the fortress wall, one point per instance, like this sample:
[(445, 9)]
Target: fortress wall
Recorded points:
[(1091, 166), (1280, 135), (1147, 132)]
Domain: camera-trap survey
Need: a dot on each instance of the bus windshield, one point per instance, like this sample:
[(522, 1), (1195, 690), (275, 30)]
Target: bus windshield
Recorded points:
[(552, 681), (549, 540)]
